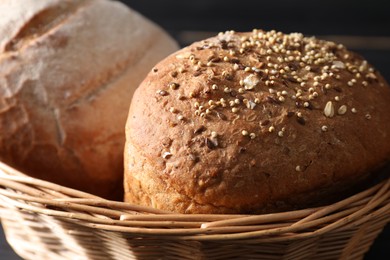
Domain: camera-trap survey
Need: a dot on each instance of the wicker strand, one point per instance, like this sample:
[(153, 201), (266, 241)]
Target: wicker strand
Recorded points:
[(340, 204), (64, 205), (261, 219)]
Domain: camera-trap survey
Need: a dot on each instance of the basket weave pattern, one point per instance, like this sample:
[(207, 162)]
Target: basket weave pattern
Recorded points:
[(47, 221)]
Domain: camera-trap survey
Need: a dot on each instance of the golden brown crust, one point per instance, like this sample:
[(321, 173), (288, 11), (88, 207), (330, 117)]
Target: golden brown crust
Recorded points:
[(247, 122), (68, 70)]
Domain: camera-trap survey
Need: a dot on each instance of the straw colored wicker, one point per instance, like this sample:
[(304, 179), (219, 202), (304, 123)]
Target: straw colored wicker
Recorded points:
[(46, 221)]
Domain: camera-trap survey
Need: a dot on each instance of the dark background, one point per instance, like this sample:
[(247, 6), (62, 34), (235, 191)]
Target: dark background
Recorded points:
[(363, 26)]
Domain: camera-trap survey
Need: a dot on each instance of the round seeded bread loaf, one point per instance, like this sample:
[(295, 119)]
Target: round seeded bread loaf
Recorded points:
[(68, 70), (255, 122)]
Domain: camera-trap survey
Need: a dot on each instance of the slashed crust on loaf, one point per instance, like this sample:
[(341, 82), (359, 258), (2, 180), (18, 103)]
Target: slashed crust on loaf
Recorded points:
[(68, 71), (255, 122)]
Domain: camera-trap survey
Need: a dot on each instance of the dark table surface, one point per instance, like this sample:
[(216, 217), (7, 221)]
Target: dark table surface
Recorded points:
[(363, 26)]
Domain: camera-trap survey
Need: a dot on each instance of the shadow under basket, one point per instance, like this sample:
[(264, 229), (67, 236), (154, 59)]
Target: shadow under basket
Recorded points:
[(42, 220)]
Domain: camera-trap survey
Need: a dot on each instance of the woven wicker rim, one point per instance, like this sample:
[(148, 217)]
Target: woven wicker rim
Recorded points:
[(30, 194)]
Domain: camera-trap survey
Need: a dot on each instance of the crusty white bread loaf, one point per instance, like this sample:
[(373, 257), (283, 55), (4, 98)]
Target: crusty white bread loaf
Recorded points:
[(68, 70)]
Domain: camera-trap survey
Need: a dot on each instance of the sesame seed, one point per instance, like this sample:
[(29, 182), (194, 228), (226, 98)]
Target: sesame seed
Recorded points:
[(214, 134), (234, 109), (338, 65), (214, 87), (235, 66), (280, 133), (329, 109), (306, 104), (298, 168), (173, 86), (368, 116), (327, 86), (337, 98), (244, 133), (173, 110), (281, 99), (324, 128), (252, 135), (353, 110), (162, 92), (342, 110), (226, 90), (180, 117), (271, 129)]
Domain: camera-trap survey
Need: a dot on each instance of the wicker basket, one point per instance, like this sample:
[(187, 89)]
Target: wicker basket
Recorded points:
[(42, 220)]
